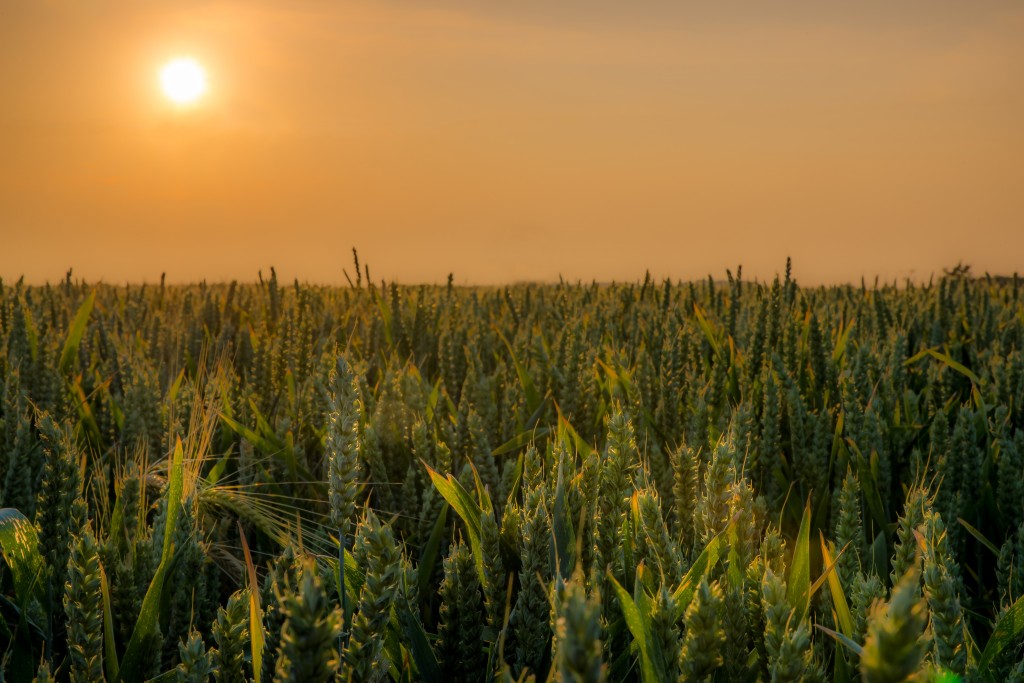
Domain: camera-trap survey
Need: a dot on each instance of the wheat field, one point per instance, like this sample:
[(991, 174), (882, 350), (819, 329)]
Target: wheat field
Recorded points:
[(651, 481)]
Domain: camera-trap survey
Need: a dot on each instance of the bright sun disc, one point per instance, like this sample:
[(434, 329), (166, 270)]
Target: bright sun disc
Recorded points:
[(183, 80)]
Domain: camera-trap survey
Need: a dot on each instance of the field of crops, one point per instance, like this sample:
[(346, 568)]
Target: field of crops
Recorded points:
[(721, 480)]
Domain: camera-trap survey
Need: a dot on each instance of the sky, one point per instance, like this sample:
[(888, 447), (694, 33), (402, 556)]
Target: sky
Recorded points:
[(502, 142)]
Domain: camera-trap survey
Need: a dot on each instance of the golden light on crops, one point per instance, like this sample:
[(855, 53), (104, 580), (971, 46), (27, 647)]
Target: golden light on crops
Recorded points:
[(183, 80)]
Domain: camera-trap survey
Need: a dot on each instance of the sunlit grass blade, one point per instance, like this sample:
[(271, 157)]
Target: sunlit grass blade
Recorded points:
[(978, 535), (109, 647), (682, 596), (946, 360), (20, 545), (533, 397), (146, 624), (75, 333), (1008, 630), (255, 613), (839, 602), (639, 626), (799, 579), (418, 643), (848, 643), (467, 509), (564, 546), (710, 333)]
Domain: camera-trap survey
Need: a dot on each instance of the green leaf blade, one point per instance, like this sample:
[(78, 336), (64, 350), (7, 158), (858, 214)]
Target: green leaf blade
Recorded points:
[(146, 624), (75, 334), (799, 580), (19, 543)]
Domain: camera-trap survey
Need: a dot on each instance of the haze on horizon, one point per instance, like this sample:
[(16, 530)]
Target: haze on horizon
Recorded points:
[(512, 141)]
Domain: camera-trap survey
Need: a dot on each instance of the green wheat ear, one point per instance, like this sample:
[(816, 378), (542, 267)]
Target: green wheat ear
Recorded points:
[(16, 438), (83, 604), (787, 644), (460, 643), (61, 512), (578, 633), (702, 647), (654, 544), (666, 629), (379, 555), (711, 511), (495, 577), (865, 590), (311, 628), (684, 462), (530, 618), (905, 555), (940, 590), (895, 645), (194, 665), (345, 410), (231, 633), (849, 528), (735, 621)]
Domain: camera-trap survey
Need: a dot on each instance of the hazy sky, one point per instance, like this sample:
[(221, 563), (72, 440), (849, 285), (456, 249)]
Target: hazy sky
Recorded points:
[(512, 140)]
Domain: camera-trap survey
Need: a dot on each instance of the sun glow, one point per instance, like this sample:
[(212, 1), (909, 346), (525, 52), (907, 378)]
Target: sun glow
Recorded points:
[(183, 80)]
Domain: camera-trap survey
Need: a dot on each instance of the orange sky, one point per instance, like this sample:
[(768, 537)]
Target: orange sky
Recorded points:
[(512, 141)]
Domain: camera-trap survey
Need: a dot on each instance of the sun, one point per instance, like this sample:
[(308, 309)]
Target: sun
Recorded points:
[(183, 80)]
